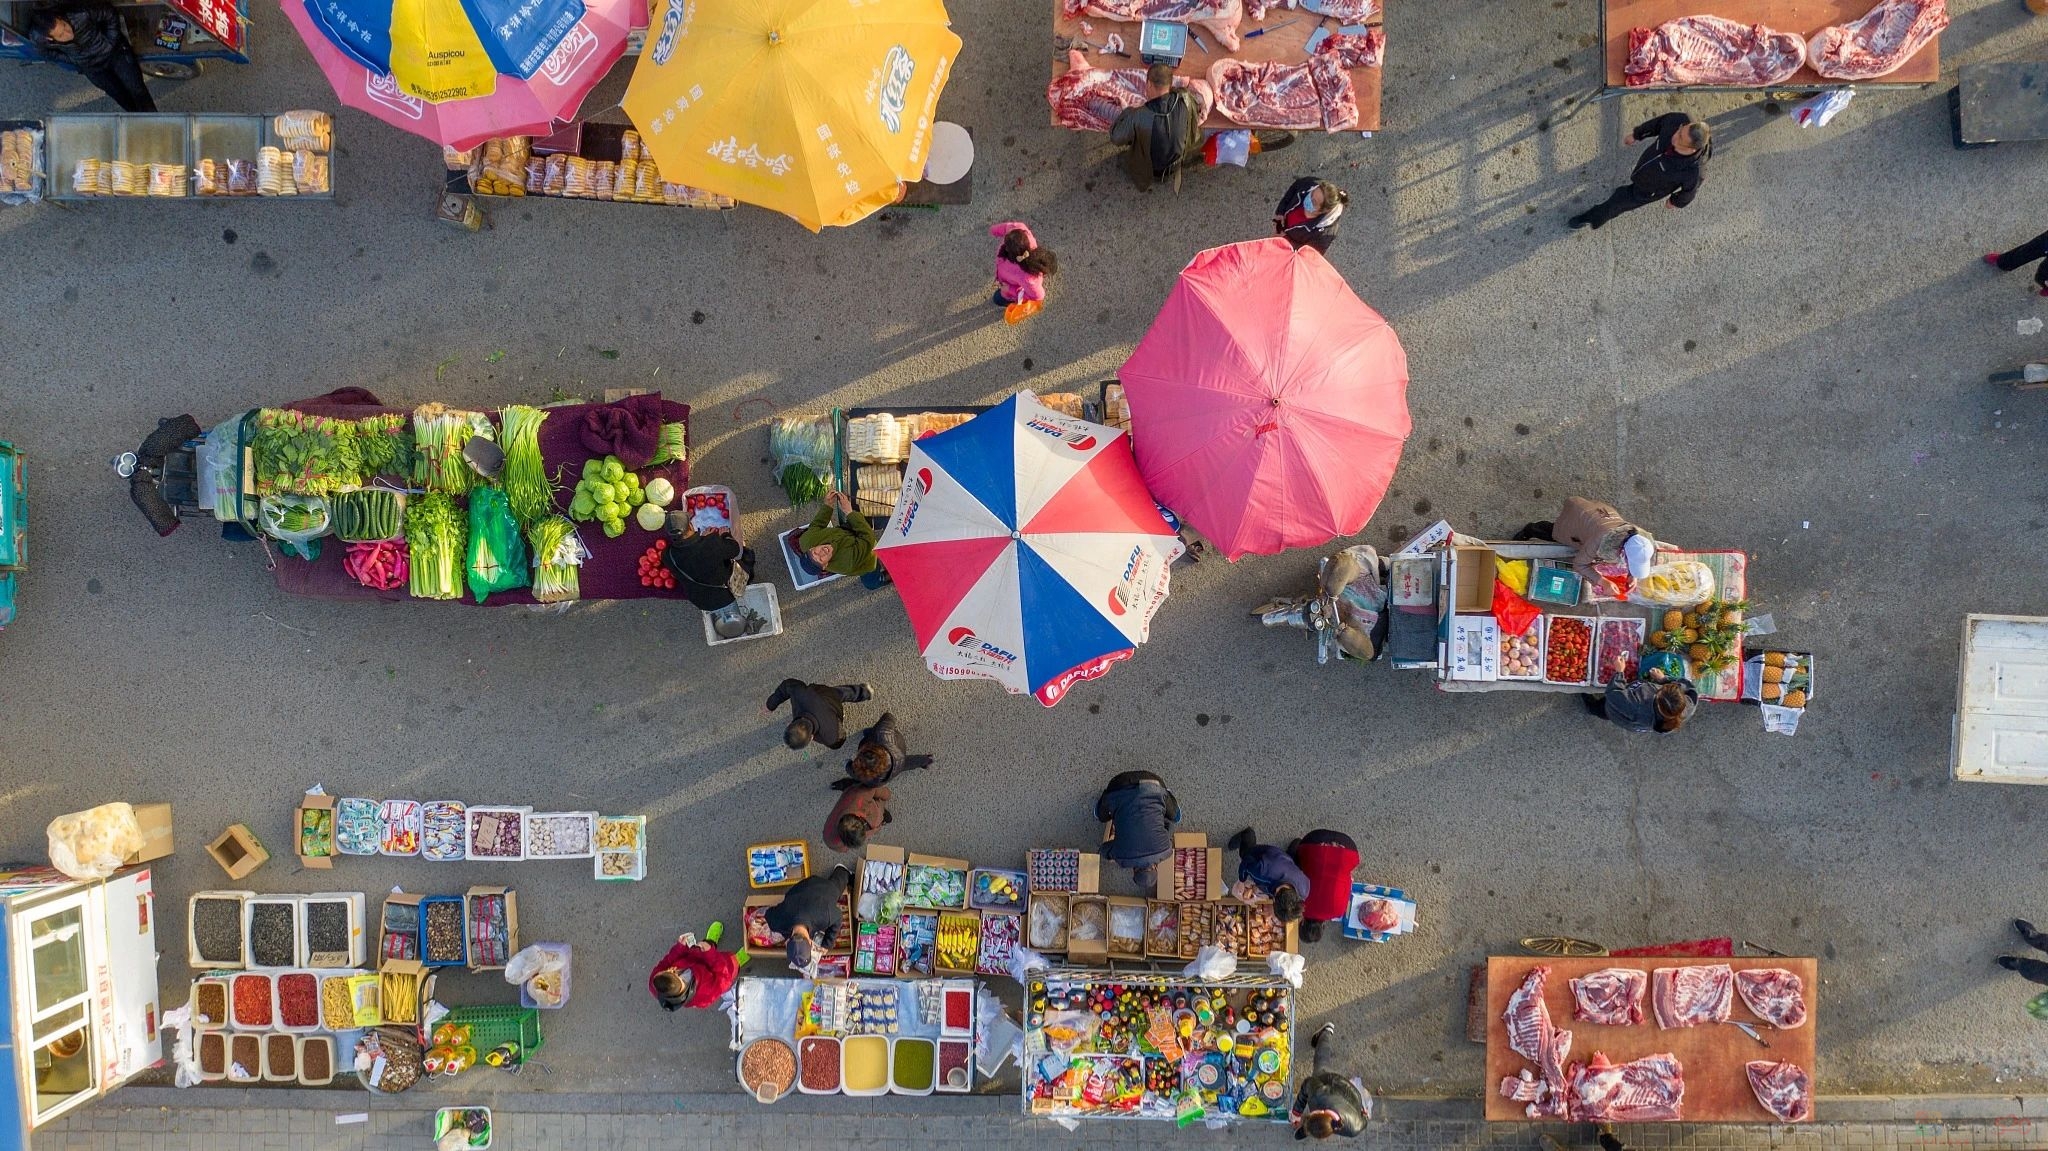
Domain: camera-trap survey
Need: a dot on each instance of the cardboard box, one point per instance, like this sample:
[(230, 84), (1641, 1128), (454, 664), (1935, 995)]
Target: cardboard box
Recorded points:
[(1088, 869), (1057, 943), (1212, 886), (407, 914), (906, 928), (479, 961), (238, 851), (401, 985), (1123, 946), (1159, 943), (1079, 949), (1474, 649), (1230, 933), (1197, 927), (970, 922), (155, 821), (878, 853), (959, 865), (322, 808), (1472, 575), (1290, 933), (757, 936)]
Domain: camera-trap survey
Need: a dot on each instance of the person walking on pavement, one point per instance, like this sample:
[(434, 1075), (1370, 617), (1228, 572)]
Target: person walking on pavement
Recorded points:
[(1021, 265), (1141, 814), (818, 711), (2026, 967), (88, 35), (1328, 858), (860, 811), (808, 916), (1328, 1102), (845, 546), (1670, 169), (1608, 1140), (695, 974), (2020, 257), (880, 755), (1161, 135), (1273, 872), (1309, 212)]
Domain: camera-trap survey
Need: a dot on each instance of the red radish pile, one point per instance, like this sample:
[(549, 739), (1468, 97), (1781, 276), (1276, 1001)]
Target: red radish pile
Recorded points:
[(653, 573), (381, 565)]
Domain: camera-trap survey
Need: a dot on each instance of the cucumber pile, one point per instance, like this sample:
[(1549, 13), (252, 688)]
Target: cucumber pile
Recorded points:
[(367, 514)]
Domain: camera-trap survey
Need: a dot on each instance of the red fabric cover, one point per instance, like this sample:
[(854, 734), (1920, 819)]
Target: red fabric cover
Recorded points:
[(1511, 611), (1719, 947)]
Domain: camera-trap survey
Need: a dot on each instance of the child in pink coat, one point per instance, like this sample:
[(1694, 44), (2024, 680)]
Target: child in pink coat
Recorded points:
[(1021, 265)]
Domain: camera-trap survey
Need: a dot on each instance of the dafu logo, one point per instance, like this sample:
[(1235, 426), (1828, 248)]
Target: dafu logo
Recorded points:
[(913, 498), (898, 66), (1079, 439), (671, 26), (970, 644)]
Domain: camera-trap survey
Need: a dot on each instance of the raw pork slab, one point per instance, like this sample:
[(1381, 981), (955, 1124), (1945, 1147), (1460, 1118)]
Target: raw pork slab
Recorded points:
[(1612, 995), (1689, 996), (1776, 995), (1532, 1036), (1880, 43), (1219, 17), (1270, 94), (1643, 1090), (1355, 49), (1347, 11), (1784, 1089), (1090, 99), (1710, 50)]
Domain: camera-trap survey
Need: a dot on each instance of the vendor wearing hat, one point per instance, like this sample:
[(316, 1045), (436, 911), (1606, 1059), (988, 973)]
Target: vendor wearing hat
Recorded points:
[(809, 915), (1601, 536), (695, 974)]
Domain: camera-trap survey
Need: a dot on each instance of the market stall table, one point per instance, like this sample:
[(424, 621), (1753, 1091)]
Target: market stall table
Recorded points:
[(1286, 40), (2000, 103), (1711, 1055), (1801, 18), (862, 1036)]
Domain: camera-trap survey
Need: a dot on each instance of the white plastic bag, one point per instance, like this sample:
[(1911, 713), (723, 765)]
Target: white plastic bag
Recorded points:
[(91, 844), (1211, 962), (1023, 961), (1815, 111), (1681, 583), (1287, 965), (531, 961)]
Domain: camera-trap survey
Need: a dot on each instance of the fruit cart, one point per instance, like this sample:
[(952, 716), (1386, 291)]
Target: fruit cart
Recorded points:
[(13, 527)]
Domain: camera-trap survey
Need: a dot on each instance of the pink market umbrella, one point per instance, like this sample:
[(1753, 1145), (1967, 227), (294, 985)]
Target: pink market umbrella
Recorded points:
[(532, 107), (1268, 402)]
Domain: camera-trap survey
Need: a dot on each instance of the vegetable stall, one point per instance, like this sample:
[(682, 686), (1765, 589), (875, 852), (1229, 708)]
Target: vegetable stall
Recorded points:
[(520, 505)]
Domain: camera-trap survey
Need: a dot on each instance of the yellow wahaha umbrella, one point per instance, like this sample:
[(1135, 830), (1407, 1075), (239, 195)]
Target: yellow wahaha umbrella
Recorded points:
[(813, 108)]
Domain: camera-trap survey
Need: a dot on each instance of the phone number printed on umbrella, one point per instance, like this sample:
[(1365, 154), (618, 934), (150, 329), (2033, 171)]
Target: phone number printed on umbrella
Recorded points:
[(683, 102), (728, 151)]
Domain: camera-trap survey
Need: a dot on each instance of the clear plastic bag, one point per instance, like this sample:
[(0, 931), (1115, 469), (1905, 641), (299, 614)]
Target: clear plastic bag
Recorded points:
[(91, 844)]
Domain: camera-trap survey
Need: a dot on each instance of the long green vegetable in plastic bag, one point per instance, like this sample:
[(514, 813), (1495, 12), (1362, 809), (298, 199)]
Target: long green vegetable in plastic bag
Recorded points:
[(674, 444), (434, 538), (554, 540), (525, 478)]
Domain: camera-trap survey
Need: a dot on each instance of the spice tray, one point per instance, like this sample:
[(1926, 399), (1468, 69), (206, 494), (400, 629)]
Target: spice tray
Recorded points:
[(506, 824), (316, 911), (813, 1042), (461, 934), (245, 1052), (903, 1048), (232, 927), (296, 982), (213, 1056), (865, 1043), (256, 909), (254, 987), (567, 955), (280, 1058), (621, 848), (311, 1043), (561, 835)]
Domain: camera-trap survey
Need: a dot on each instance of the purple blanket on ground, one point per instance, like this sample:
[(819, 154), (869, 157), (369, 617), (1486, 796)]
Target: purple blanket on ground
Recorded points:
[(611, 572)]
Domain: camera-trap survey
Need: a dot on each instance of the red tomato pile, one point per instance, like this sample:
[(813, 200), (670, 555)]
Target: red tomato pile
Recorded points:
[(1570, 650), (653, 573)]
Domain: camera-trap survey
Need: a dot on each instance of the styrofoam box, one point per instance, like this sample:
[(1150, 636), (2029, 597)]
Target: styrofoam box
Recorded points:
[(197, 962), (298, 958), (358, 943), (762, 599), (469, 819), (589, 819), (1474, 651), (277, 1006), (1537, 633)]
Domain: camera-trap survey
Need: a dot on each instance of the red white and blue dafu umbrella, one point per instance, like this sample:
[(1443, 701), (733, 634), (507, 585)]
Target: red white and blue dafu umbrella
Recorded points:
[(1027, 549)]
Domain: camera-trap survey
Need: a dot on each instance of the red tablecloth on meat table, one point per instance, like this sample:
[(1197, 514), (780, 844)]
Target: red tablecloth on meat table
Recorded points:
[(611, 572)]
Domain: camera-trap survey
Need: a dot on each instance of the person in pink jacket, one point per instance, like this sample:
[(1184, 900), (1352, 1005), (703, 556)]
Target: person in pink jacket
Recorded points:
[(1021, 265)]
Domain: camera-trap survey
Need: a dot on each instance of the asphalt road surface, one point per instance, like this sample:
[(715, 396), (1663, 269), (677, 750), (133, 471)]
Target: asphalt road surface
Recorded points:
[(1795, 365)]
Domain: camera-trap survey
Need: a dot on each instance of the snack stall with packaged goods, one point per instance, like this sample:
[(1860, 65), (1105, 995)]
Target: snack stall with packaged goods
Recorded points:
[(1153, 1045), (373, 501), (1668, 45), (81, 156), (859, 1037), (172, 38), (1313, 68), (584, 160)]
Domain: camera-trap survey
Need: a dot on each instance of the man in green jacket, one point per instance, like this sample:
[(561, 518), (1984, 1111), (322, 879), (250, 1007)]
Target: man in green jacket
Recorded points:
[(847, 547), (1162, 134)]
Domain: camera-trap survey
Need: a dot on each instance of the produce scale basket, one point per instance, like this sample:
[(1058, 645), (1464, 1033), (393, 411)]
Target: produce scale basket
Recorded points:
[(490, 1026)]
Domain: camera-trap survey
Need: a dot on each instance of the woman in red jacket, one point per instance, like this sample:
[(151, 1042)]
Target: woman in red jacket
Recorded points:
[(1328, 857), (695, 974)]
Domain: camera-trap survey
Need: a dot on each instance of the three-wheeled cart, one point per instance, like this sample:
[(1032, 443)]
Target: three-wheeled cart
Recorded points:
[(2001, 720), (174, 38)]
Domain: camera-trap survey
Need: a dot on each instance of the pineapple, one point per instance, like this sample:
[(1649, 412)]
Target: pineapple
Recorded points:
[(1673, 620), (1699, 653), (1774, 659), (1772, 691), (1731, 618), (1660, 639), (1689, 635), (1774, 674), (1795, 698)]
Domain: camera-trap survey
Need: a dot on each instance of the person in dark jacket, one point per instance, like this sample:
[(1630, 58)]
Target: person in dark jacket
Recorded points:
[(1655, 702), (808, 916), (1328, 1103), (89, 37), (2026, 967), (818, 711), (1328, 858), (703, 563), (1604, 1135), (1670, 169), (1273, 872), (1161, 135), (1309, 212), (858, 813), (1141, 814), (695, 974), (880, 755), (2020, 257)]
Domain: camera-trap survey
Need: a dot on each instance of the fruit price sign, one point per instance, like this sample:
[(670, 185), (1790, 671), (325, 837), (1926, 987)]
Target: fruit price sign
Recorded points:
[(221, 19)]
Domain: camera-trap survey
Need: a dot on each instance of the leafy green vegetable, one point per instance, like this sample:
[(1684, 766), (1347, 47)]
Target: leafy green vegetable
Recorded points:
[(674, 444), (802, 484), (554, 546), (439, 433), (435, 534), (525, 478)]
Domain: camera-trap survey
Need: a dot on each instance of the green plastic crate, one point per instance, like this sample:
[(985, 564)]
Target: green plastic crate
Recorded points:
[(491, 1026)]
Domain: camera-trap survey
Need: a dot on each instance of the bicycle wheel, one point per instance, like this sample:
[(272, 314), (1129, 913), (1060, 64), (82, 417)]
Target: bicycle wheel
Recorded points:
[(1271, 139)]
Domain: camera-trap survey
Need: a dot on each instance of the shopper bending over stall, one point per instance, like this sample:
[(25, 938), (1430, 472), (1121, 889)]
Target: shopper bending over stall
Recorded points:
[(1328, 858), (808, 915), (1329, 1103), (695, 974), (1655, 702), (1600, 535), (1273, 872), (1141, 814), (818, 711), (860, 810), (880, 756)]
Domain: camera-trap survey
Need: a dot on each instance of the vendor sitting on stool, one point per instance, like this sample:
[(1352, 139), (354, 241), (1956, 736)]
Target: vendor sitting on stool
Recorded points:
[(703, 563), (1141, 814), (1600, 535), (847, 547), (808, 915), (695, 974), (1655, 702)]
